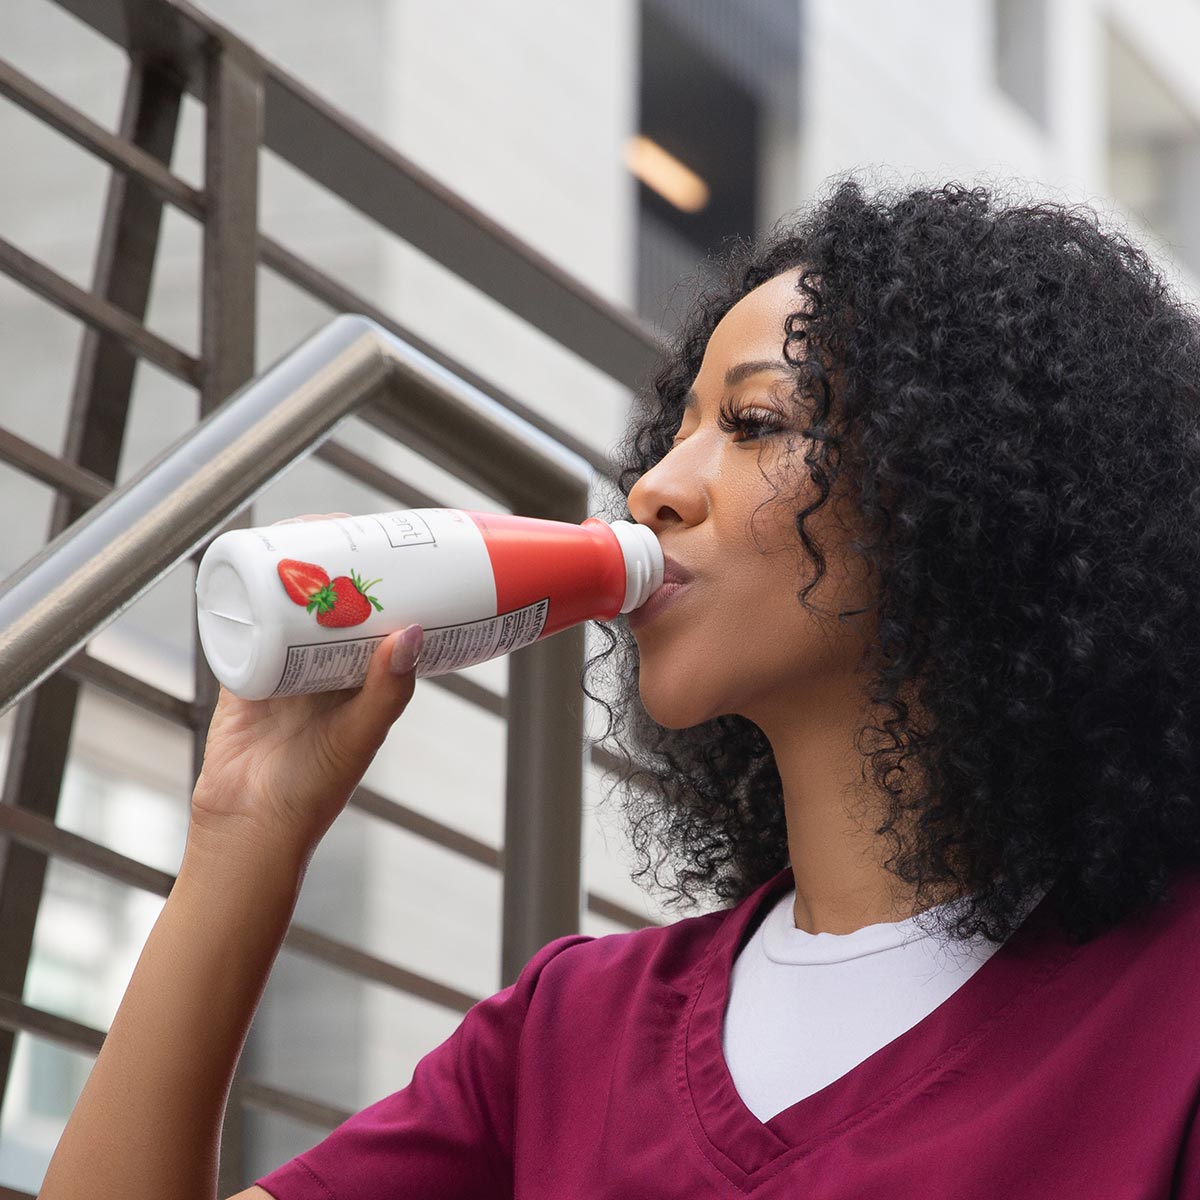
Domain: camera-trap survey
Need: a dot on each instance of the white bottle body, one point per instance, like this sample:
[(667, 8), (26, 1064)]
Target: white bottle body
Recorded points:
[(434, 569)]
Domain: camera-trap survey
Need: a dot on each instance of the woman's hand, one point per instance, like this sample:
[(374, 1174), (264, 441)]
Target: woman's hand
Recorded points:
[(277, 772)]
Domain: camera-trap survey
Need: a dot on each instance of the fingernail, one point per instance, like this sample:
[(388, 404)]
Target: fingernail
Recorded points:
[(406, 653)]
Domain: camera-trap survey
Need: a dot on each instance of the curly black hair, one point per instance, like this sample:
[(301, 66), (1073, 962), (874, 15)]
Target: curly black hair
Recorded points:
[(1016, 393)]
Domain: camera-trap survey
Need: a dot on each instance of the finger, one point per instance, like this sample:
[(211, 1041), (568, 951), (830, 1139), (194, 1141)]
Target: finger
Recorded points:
[(362, 723)]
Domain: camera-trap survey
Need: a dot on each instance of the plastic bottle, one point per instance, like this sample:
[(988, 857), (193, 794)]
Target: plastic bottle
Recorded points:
[(300, 607)]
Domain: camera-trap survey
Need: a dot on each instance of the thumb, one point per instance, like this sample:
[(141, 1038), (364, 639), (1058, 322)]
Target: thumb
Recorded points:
[(361, 724)]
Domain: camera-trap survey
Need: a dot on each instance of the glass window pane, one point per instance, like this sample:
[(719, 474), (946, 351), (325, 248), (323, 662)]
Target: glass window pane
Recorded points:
[(43, 1087)]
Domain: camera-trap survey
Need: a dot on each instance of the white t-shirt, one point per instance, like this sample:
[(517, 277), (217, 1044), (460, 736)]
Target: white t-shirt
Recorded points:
[(806, 1008)]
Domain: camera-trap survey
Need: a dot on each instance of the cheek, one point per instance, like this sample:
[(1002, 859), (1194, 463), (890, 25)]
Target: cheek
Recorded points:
[(779, 633)]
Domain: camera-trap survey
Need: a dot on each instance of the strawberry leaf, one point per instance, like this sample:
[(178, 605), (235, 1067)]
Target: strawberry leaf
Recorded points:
[(362, 586), (322, 601)]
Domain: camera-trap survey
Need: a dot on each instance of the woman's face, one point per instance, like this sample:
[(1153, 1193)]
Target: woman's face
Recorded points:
[(736, 639)]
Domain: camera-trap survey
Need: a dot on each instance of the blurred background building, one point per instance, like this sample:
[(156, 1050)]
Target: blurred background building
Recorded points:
[(623, 141)]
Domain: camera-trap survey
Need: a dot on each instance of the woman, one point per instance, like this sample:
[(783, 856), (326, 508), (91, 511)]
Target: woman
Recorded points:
[(923, 712)]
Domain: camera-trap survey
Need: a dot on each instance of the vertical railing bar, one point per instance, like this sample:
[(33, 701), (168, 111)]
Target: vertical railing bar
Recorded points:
[(228, 307), (96, 422), (543, 817), (232, 136)]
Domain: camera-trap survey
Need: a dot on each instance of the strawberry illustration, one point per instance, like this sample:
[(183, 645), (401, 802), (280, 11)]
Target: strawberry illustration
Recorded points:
[(345, 601), (301, 579)]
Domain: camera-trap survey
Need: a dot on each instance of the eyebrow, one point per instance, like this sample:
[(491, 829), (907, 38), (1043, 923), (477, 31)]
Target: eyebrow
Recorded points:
[(740, 371)]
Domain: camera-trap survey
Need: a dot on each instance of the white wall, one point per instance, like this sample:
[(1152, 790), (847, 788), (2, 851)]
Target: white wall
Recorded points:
[(910, 90), (906, 88)]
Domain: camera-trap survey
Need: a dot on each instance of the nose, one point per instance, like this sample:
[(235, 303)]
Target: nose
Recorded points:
[(672, 491)]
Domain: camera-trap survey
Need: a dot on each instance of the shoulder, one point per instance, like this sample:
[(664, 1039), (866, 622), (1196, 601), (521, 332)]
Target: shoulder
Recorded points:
[(621, 963), (659, 956)]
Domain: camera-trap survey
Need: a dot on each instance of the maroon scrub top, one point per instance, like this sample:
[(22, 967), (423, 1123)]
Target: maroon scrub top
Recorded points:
[(1053, 1071)]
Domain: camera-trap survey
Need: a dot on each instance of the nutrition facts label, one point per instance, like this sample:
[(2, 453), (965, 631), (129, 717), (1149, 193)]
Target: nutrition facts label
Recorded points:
[(326, 666), (453, 646)]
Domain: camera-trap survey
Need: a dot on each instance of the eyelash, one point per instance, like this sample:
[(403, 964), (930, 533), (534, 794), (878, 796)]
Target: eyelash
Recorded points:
[(730, 419)]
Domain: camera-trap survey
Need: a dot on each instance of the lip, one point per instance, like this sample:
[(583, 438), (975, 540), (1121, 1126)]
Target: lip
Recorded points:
[(673, 572), (665, 596)]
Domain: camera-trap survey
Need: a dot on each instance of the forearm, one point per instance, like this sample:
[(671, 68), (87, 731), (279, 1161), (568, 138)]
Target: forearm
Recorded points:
[(148, 1123)]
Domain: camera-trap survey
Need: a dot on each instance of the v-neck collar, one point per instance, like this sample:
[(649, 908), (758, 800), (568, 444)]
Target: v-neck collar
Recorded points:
[(739, 1144)]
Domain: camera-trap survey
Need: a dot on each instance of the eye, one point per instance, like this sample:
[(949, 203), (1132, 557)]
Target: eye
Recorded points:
[(756, 422)]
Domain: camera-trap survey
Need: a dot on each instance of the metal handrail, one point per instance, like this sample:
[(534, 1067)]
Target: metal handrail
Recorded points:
[(101, 564)]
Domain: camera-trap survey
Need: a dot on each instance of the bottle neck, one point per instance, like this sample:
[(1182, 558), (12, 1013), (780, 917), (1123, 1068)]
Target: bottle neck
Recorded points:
[(643, 562)]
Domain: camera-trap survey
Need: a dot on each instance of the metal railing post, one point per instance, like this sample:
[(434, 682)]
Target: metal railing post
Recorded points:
[(228, 322), (543, 816), (229, 276)]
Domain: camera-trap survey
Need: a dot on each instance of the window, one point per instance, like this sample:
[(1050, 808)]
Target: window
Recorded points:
[(696, 155)]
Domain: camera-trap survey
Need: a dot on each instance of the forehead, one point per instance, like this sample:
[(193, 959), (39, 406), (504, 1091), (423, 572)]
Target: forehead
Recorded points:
[(754, 328)]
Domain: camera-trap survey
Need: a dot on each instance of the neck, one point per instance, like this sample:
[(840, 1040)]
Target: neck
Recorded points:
[(836, 856)]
